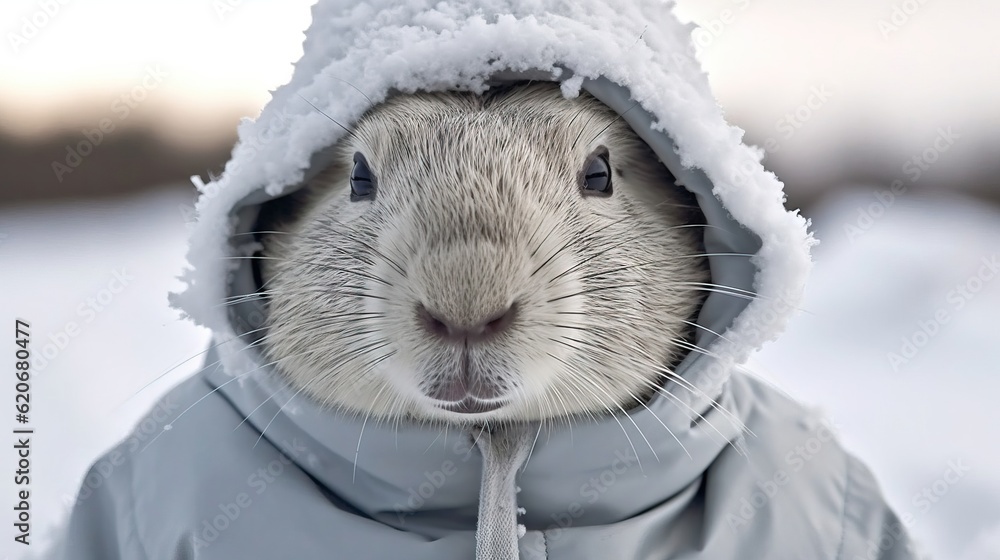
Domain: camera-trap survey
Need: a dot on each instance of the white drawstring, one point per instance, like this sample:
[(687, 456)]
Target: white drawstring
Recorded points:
[(497, 531)]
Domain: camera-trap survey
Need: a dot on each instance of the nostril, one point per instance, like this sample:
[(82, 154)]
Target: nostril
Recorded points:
[(500, 322), (433, 323)]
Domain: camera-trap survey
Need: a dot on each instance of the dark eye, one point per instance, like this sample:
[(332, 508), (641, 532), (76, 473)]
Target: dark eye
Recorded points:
[(362, 181), (597, 175)]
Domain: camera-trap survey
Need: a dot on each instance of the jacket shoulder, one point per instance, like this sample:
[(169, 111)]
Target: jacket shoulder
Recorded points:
[(794, 473), (156, 494)]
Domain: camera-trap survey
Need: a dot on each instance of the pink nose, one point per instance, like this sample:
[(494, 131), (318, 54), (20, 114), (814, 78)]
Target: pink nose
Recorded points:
[(485, 330)]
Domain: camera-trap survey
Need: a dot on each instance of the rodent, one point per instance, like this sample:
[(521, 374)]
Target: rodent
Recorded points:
[(472, 258)]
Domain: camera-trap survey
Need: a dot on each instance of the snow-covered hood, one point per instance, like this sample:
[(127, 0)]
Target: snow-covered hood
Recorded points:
[(638, 59), (623, 53)]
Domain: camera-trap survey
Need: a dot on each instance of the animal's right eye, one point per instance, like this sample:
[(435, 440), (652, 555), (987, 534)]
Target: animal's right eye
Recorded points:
[(362, 180), (595, 179)]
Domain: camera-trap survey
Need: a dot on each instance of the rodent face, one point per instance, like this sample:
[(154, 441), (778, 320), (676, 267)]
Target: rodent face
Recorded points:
[(482, 281)]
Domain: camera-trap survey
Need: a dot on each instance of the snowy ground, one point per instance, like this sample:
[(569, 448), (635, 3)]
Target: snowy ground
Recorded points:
[(897, 274)]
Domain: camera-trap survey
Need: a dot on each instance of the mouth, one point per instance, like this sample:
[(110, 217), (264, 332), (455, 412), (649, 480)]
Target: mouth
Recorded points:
[(471, 405)]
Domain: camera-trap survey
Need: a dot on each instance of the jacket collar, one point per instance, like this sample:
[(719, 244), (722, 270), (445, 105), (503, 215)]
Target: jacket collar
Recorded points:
[(427, 479)]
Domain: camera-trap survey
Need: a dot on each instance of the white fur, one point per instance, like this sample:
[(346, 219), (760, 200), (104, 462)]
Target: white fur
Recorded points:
[(477, 207)]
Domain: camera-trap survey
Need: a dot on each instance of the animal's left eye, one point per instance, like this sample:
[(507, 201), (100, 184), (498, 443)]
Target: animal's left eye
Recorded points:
[(597, 174), (362, 180)]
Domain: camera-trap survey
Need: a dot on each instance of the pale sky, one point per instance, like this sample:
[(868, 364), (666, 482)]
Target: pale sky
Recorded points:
[(941, 66)]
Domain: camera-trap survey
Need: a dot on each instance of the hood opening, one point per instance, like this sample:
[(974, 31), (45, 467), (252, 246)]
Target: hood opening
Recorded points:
[(289, 206), (725, 240)]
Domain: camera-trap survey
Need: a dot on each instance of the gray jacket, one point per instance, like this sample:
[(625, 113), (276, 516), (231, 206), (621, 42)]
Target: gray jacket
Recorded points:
[(204, 490), (233, 464)]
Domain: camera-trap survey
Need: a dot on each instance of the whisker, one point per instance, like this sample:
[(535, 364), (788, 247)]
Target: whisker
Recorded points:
[(618, 118), (282, 407), (612, 414), (714, 285), (733, 294), (593, 116), (357, 450), (195, 403), (596, 255), (669, 431), (261, 232), (347, 130), (532, 448), (597, 289), (664, 372), (175, 366), (339, 269), (631, 362), (368, 99), (668, 374)]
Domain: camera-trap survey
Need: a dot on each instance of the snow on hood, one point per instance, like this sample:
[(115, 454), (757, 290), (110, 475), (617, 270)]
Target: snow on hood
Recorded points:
[(356, 55), (634, 56)]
